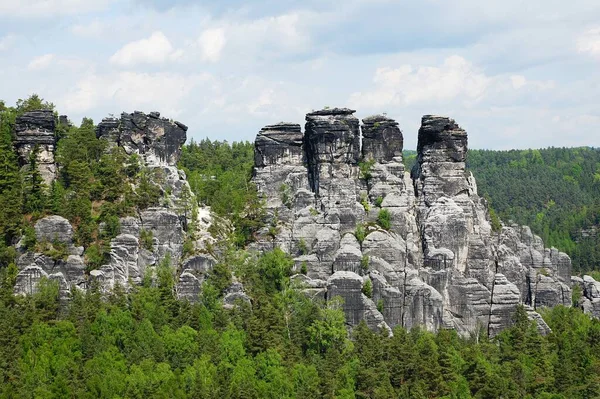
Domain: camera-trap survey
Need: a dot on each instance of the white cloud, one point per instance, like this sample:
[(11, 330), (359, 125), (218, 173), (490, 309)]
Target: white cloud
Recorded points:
[(49, 8), (92, 29), (41, 62), (165, 92), (211, 43), (156, 49), (589, 42), (518, 81), (48, 61), (406, 85), (6, 42)]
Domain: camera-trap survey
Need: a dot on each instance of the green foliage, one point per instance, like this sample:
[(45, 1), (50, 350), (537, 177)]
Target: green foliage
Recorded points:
[(378, 202), (219, 174), (495, 221), (384, 219), (360, 233), (55, 249), (302, 247), (367, 288), (364, 201), (313, 211), (151, 345), (366, 167), (285, 193), (304, 268), (364, 263), (147, 239), (147, 192), (96, 256)]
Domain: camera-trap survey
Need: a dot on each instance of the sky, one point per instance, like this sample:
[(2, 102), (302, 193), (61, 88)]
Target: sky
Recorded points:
[(513, 73)]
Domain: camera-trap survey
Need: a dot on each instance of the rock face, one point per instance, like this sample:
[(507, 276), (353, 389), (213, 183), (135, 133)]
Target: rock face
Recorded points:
[(590, 295), (437, 263), (158, 142), (34, 131)]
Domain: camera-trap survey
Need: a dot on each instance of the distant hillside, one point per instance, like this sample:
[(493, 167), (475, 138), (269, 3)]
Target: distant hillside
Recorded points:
[(556, 191)]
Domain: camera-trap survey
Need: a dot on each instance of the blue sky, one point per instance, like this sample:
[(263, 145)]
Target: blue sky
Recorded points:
[(513, 73)]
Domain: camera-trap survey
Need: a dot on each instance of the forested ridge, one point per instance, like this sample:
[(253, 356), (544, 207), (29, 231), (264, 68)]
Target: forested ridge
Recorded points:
[(146, 343)]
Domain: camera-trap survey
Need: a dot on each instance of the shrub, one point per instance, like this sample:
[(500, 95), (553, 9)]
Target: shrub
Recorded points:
[(366, 168), (29, 238), (146, 239), (364, 263), (364, 201), (495, 221), (360, 233), (380, 305), (302, 247), (286, 195), (95, 257), (304, 268), (384, 219), (378, 202), (367, 289)]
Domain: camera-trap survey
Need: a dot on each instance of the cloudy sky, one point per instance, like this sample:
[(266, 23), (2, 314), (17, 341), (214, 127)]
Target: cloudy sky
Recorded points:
[(513, 73)]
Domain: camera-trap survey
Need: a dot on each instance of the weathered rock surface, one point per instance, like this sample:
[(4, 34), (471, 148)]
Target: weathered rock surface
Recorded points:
[(158, 142), (590, 299), (439, 265), (34, 130)]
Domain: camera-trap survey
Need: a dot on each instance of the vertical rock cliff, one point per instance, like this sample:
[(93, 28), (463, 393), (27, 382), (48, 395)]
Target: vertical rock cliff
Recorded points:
[(340, 201), (35, 131)]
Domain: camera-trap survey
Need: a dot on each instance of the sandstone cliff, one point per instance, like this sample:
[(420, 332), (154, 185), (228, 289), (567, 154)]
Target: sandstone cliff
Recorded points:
[(158, 142), (438, 264), (340, 201)]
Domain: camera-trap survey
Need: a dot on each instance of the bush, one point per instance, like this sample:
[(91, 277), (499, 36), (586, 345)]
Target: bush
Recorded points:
[(95, 257), (29, 238), (378, 202), (364, 263), (360, 233), (367, 289), (146, 239), (302, 247), (304, 268), (366, 168), (364, 201), (384, 219)]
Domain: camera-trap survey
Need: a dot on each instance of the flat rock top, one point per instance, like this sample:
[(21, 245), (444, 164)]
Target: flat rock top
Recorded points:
[(382, 119), (39, 119), (439, 124), (331, 112)]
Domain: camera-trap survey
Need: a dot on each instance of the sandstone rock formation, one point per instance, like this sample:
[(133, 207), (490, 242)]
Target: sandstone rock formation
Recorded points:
[(158, 142), (438, 264), (35, 130)]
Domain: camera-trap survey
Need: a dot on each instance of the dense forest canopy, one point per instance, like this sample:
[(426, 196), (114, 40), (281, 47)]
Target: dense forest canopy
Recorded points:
[(146, 343)]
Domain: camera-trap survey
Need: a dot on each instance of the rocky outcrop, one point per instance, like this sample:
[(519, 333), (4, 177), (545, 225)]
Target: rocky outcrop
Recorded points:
[(154, 235), (158, 140), (58, 259), (35, 131), (339, 199), (590, 295)]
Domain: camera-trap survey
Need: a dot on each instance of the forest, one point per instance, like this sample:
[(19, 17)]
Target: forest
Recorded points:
[(146, 343)]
